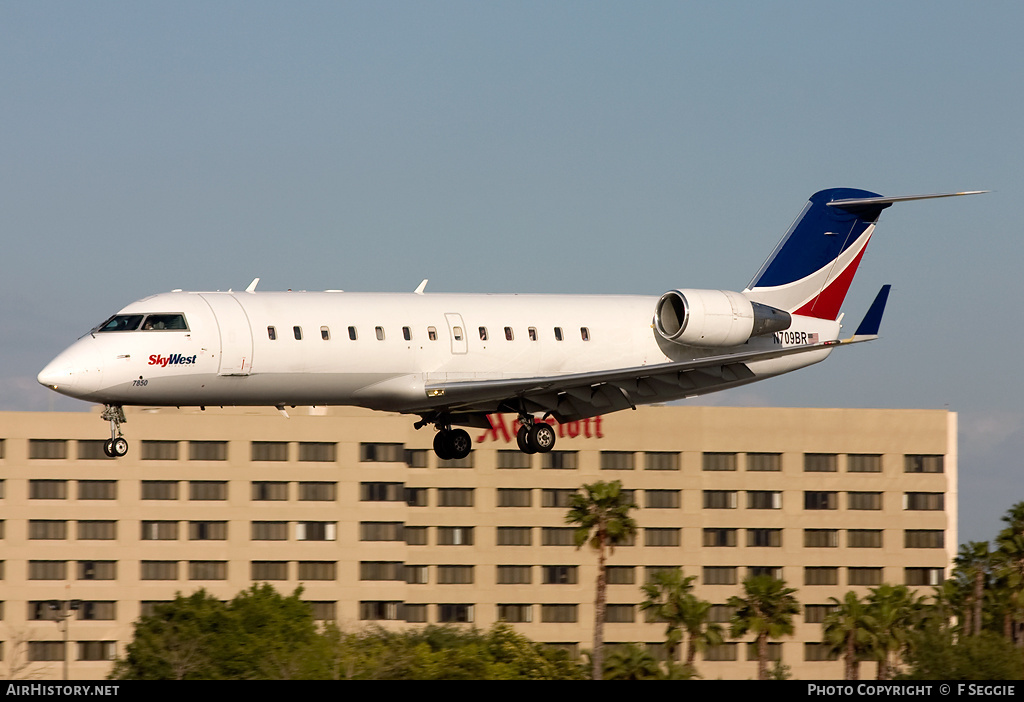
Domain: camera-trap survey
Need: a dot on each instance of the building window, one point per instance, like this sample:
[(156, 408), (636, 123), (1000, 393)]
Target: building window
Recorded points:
[(720, 613), (207, 450), (820, 652), (321, 531), (47, 448), (47, 570), (455, 497), (47, 489), (159, 489), (559, 460), (924, 538), (317, 491), (380, 531), (662, 499), (864, 538), (761, 538), (379, 611), (559, 575), (454, 613), (317, 451), (556, 497), (764, 499), (207, 570), (820, 463), (454, 536), (416, 497), (515, 536), (269, 570), (514, 575), (41, 651), (816, 613), (620, 575), (558, 613), (821, 575), (317, 570), (821, 538), (515, 613), (99, 529), (466, 462), (514, 497), (930, 501), (269, 491), (820, 500), (91, 449), (270, 450), (414, 613), (722, 652), (415, 535), (774, 651), (158, 570), (923, 576), (719, 461), (416, 574), (323, 611), (661, 460), (270, 531), (455, 575), (97, 489), (864, 576), (923, 463), (207, 490), (159, 531), (208, 531), (617, 460), (382, 570), (382, 492), (620, 614), (47, 529), (558, 536), (764, 462), (719, 537), (661, 536), (159, 450), (513, 459), (98, 610), (770, 571), (864, 500), (382, 453), (97, 570), (863, 463), (719, 499)]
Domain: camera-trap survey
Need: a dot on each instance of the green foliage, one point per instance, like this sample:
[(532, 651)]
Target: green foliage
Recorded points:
[(766, 611), (935, 654)]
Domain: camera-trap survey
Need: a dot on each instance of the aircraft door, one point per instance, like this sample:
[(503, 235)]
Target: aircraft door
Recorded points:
[(457, 332), (235, 333)]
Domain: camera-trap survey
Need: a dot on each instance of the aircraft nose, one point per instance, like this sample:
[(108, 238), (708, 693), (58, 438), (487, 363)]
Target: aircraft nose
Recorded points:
[(75, 372)]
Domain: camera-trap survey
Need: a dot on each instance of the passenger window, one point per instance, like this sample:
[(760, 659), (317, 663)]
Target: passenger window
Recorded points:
[(585, 333), (272, 333), (325, 333), (380, 333), (558, 333), (457, 333), (298, 333), (407, 333), (174, 322), (532, 331), (352, 333), (432, 333), (483, 333), (508, 333)]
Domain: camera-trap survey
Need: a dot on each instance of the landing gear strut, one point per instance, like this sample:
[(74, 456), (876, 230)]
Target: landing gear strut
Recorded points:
[(117, 446)]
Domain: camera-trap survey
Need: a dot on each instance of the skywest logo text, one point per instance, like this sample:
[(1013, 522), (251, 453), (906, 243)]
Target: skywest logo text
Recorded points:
[(175, 359)]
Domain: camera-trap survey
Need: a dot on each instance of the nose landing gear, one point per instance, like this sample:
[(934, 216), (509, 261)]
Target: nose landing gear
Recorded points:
[(117, 445)]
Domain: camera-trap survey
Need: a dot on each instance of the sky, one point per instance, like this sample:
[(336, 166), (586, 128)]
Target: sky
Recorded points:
[(555, 147)]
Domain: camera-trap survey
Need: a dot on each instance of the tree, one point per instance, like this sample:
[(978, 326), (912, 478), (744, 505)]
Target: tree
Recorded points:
[(669, 598), (601, 513), (766, 610), (631, 662), (896, 611), (975, 562), (937, 655), (848, 630)]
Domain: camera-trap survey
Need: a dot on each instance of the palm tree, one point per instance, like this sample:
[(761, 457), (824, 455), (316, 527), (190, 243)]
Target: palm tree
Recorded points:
[(601, 513), (631, 662), (702, 633), (1009, 558), (897, 612), (666, 599), (766, 611), (975, 562), (848, 629)]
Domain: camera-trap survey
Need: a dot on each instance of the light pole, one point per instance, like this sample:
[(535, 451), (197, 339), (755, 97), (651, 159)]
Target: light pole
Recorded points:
[(62, 610)]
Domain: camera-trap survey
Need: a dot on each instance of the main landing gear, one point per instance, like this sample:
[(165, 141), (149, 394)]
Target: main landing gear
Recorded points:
[(535, 437), (117, 445), (453, 444)]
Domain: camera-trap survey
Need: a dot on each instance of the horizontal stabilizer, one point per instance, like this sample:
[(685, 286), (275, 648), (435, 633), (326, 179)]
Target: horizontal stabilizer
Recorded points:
[(881, 202), (869, 326)]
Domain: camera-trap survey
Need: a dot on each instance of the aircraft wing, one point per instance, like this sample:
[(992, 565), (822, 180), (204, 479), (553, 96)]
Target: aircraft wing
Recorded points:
[(576, 396)]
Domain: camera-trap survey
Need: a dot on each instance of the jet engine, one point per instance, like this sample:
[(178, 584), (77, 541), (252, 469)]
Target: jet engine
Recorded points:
[(715, 318)]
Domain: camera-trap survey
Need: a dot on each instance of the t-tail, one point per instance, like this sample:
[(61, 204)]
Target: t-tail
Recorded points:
[(810, 271)]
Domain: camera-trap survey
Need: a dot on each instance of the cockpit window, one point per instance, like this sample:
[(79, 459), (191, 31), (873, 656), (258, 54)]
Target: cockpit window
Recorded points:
[(174, 322), (121, 322)]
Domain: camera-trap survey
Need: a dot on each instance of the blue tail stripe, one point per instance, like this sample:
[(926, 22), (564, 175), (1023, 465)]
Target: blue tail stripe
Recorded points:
[(817, 238), (872, 321)]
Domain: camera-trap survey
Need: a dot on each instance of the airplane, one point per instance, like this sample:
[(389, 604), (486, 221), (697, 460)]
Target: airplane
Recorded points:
[(452, 359)]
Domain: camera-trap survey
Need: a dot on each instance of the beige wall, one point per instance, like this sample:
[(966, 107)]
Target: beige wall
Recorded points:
[(688, 430)]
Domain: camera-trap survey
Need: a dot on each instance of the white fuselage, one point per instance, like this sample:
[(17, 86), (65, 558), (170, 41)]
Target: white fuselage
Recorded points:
[(296, 348)]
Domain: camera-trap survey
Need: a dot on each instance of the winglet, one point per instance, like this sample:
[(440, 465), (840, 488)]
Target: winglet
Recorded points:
[(252, 285), (421, 287), (868, 328)]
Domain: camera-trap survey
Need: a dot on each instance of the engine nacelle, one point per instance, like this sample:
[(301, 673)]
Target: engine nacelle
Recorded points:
[(715, 318)]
